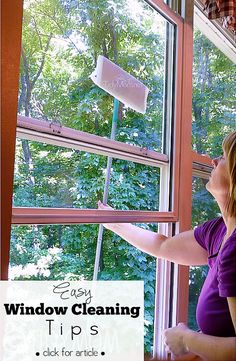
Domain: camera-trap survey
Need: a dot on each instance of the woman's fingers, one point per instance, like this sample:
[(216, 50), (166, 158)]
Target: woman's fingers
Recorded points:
[(173, 339), (104, 206)]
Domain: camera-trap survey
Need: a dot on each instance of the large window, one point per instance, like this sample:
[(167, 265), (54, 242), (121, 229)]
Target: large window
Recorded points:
[(214, 83), (214, 117), (65, 159)]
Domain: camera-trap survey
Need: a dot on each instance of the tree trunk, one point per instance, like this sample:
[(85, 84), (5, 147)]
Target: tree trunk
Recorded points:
[(23, 93), (27, 87), (115, 254), (29, 161), (201, 113), (60, 235)]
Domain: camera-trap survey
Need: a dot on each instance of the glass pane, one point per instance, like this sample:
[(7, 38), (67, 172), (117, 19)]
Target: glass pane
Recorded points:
[(214, 83), (67, 252), (51, 176), (204, 208), (129, 263), (53, 252), (61, 43)]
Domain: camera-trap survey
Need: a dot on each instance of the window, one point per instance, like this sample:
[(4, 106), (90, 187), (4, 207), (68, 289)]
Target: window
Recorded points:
[(213, 118), (214, 113), (65, 158), (63, 115)]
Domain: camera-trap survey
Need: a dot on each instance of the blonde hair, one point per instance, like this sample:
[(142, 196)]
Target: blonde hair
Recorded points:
[(229, 146)]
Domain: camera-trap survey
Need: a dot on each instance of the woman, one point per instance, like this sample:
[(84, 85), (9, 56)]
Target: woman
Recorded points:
[(212, 243)]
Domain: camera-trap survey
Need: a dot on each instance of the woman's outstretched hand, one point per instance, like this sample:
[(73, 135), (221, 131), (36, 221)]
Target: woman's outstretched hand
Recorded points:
[(106, 207)]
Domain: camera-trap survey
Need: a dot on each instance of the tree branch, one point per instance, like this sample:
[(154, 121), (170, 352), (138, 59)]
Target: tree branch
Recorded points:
[(61, 29), (113, 36), (36, 29), (43, 61), (28, 82), (26, 66)]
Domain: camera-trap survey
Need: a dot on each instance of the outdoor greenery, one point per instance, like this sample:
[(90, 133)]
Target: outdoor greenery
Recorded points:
[(214, 117), (214, 82), (60, 44)]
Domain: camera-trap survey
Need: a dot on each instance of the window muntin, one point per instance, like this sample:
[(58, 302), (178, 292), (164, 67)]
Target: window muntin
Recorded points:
[(214, 83), (58, 58)]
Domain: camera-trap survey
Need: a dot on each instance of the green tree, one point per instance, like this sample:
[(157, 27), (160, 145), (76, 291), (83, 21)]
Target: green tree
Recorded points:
[(213, 118)]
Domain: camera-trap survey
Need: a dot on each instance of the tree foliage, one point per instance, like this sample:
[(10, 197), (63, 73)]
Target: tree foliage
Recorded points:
[(214, 82), (213, 118)]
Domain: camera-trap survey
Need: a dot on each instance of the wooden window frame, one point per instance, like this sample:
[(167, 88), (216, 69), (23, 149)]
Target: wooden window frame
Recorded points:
[(10, 65)]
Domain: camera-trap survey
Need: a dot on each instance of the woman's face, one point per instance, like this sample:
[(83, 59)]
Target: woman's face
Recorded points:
[(218, 184)]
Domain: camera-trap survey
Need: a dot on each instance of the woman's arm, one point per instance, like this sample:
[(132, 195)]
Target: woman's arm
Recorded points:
[(182, 248), (210, 347), (180, 340), (232, 309)]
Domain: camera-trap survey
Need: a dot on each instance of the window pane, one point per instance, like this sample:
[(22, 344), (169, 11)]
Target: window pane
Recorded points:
[(204, 208), (214, 83), (51, 176), (129, 263), (68, 252), (61, 43), (53, 252)]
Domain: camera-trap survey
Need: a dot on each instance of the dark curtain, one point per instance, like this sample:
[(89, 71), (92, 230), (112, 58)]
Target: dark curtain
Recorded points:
[(224, 9)]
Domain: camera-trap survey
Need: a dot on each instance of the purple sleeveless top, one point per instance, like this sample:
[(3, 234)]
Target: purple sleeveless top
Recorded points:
[(213, 314)]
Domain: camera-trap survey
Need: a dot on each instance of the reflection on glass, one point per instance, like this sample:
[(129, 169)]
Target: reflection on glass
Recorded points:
[(204, 208), (51, 176), (214, 84), (61, 43)]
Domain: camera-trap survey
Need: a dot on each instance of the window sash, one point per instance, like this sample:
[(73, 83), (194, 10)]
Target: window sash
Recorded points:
[(27, 215), (54, 133), (202, 165), (166, 12)]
